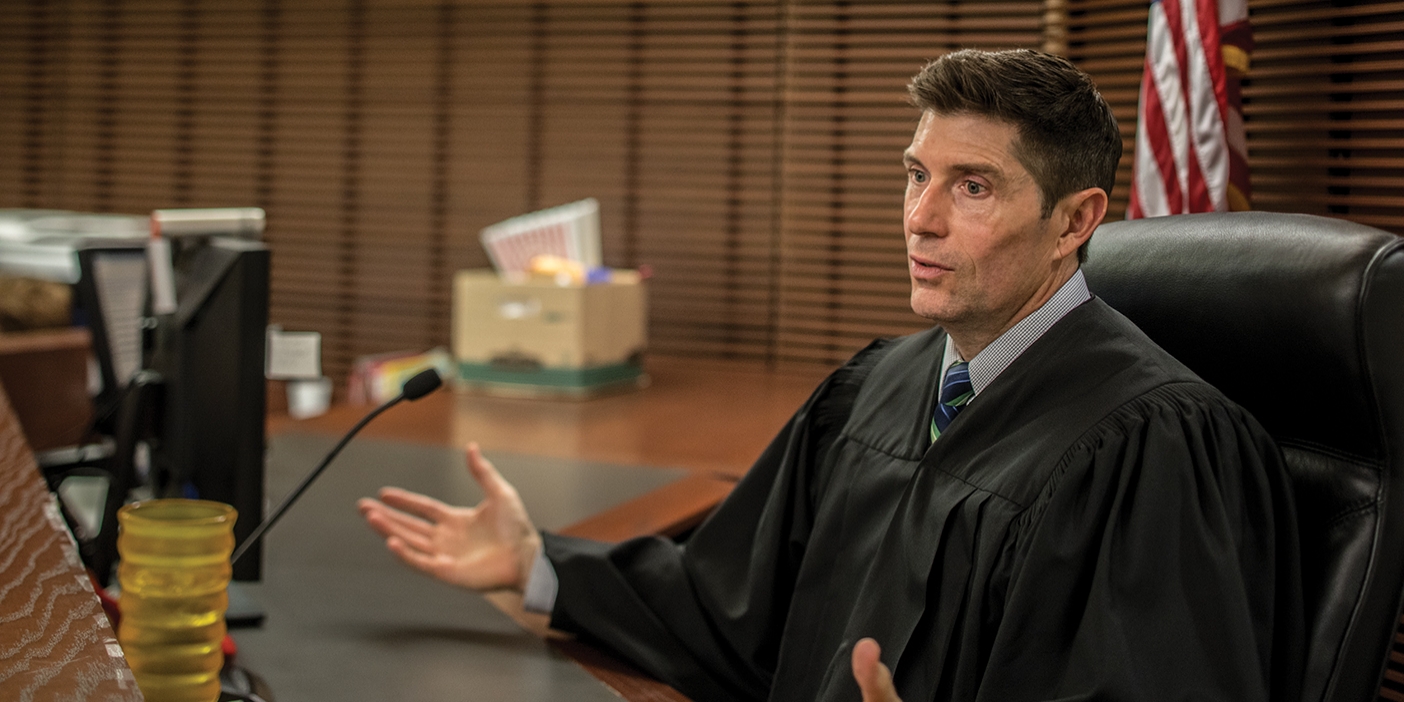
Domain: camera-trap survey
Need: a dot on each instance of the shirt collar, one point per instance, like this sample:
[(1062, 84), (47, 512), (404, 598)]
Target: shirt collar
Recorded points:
[(989, 363)]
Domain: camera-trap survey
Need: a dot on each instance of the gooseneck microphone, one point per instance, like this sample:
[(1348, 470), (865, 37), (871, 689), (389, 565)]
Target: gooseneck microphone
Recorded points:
[(421, 384)]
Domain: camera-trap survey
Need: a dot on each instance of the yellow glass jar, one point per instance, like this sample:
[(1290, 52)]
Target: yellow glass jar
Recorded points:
[(174, 573)]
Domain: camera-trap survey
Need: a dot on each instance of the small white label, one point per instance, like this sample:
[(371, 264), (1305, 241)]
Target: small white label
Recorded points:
[(517, 308), (294, 355)]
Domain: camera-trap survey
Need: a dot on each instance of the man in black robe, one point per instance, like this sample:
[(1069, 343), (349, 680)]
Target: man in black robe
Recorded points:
[(1031, 501)]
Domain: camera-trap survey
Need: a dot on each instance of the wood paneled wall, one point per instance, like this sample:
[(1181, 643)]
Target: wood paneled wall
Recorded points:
[(748, 152)]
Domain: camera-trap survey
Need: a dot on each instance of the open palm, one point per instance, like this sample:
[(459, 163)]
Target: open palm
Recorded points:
[(490, 546)]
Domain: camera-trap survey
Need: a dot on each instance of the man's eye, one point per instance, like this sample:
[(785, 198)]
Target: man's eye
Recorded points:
[(917, 176), (973, 188)]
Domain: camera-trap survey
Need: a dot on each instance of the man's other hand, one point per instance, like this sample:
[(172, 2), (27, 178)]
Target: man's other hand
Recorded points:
[(488, 547), (874, 679)]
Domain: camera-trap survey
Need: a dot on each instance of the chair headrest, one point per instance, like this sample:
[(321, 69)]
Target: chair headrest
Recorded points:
[(1279, 311)]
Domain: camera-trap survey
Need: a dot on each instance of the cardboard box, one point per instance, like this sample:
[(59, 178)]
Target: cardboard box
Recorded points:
[(537, 338)]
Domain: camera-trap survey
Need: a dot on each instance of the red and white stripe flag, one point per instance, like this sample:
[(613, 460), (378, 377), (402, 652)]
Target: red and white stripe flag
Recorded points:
[(1191, 155)]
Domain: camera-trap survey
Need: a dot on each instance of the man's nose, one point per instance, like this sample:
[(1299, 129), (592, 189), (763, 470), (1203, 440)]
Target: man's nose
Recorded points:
[(926, 214)]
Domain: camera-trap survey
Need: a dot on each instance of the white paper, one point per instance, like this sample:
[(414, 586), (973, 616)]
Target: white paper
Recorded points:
[(163, 294), (294, 355)]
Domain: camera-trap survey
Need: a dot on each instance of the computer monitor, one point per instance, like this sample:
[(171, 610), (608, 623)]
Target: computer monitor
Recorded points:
[(209, 355)]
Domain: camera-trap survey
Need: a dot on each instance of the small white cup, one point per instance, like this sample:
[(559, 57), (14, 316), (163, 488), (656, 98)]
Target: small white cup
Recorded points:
[(309, 398)]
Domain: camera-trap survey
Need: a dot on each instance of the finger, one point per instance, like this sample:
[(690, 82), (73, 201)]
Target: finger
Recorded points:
[(874, 679), (484, 472), (408, 522), (419, 505), (412, 558), (384, 524), (366, 504), (372, 512)]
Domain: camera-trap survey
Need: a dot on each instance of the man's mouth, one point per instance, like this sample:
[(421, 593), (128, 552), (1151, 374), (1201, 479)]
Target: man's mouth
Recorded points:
[(926, 269)]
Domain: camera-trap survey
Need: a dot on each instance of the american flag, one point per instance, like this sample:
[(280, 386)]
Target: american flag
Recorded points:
[(1191, 155)]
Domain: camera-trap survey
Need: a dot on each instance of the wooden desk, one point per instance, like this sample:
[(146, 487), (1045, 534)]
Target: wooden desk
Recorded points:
[(55, 641)]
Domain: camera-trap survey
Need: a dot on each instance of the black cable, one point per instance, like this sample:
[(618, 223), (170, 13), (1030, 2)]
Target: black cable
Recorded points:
[(278, 513), (421, 384)]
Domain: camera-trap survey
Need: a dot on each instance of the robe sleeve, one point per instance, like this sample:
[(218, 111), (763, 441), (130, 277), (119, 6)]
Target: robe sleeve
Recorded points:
[(706, 616), (1159, 563)]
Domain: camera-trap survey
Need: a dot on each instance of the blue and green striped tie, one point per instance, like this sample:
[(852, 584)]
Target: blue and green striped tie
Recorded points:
[(956, 391)]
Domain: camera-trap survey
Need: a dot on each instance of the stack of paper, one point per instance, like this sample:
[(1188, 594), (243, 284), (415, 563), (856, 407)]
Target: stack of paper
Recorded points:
[(570, 232)]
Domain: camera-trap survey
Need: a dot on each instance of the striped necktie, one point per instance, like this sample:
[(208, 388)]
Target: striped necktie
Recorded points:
[(956, 392)]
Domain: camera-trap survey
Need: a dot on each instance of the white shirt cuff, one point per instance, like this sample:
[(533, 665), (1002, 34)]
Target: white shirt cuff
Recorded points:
[(541, 585)]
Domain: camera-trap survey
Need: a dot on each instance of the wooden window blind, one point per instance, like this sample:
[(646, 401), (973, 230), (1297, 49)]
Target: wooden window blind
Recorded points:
[(1107, 39), (700, 201), (665, 112), (381, 136), (746, 151), (1324, 105)]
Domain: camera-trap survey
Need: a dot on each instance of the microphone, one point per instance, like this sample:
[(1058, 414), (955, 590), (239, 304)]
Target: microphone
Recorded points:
[(423, 383)]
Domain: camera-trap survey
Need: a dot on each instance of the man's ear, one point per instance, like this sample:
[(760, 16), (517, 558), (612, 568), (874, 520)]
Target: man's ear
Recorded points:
[(1080, 213)]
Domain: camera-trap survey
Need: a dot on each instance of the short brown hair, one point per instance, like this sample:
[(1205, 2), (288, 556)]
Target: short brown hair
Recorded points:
[(1067, 137)]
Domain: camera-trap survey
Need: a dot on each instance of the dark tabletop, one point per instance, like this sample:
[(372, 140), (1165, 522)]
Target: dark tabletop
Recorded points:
[(346, 621)]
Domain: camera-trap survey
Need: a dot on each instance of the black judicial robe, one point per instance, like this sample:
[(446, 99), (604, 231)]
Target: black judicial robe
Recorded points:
[(1098, 524)]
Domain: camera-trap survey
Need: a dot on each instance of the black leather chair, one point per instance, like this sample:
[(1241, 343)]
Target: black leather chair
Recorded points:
[(1300, 319)]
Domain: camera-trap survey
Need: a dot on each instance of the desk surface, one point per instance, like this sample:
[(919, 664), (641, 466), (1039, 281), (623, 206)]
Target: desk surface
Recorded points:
[(347, 622), (711, 418)]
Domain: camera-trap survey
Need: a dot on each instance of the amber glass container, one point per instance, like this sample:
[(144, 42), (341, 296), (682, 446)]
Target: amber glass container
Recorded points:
[(174, 574)]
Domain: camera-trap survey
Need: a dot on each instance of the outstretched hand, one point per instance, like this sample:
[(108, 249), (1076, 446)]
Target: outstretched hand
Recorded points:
[(874, 679), (487, 547)]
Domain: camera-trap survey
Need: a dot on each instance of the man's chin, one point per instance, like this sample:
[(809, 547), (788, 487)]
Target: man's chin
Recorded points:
[(933, 304), (937, 314)]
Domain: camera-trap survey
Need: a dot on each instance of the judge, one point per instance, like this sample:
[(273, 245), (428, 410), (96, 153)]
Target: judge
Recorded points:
[(1030, 501)]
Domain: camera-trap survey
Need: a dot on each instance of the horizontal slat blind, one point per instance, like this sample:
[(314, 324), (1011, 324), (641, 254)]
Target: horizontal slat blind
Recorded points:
[(746, 151), (26, 45), (664, 111), (313, 79), (381, 135), (1107, 39), (1325, 109), (843, 267), (703, 176)]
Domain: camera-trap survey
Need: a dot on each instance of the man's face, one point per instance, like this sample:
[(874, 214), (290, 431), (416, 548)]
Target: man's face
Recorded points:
[(978, 249)]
